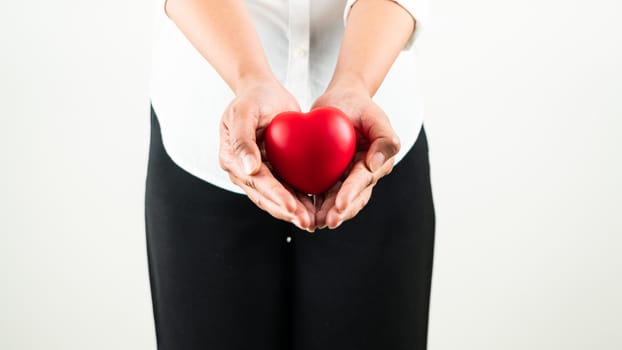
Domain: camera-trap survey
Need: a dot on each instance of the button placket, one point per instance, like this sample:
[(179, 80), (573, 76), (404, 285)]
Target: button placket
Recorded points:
[(300, 53), (298, 56)]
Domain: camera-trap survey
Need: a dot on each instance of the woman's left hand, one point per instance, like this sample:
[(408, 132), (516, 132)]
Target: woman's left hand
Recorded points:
[(377, 145)]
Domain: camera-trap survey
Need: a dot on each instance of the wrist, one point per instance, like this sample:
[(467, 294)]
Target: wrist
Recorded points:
[(350, 82), (252, 77)]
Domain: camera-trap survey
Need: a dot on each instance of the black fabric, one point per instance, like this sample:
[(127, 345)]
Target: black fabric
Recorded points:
[(223, 275)]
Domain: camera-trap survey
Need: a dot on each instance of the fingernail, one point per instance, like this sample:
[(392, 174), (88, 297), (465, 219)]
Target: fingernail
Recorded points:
[(320, 225), (336, 225), (248, 162), (376, 161)]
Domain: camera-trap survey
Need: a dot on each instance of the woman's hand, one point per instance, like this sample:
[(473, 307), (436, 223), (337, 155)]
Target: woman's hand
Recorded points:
[(224, 33), (242, 128), (377, 145), (375, 34)]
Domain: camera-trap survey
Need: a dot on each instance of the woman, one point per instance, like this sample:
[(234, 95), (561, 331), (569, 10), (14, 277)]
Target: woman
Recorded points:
[(232, 260)]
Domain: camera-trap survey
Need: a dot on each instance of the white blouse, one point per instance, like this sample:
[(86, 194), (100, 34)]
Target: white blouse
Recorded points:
[(301, 39)]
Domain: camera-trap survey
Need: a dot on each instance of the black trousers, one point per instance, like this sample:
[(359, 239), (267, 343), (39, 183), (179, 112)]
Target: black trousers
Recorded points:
[(223, 275)]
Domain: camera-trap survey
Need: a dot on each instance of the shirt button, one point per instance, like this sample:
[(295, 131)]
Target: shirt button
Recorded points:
[(300, 53)]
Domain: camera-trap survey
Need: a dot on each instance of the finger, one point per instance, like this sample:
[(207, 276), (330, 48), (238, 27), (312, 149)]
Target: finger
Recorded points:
[(241, 127), (268, 186), (276, 210), (307, 204), (298, 216), (357, 181), (335, 218), (309, 207), (384, 141), (270, 189), (324, 204)]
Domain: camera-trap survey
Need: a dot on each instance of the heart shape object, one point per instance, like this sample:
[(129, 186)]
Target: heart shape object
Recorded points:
[(310, 151)]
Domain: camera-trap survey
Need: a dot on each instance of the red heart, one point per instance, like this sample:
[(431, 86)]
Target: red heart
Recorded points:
[(310, 151)]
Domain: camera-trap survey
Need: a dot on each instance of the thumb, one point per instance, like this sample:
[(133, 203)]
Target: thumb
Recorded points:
[(384, 144), (242, 138), (249, 161), (380, 151)]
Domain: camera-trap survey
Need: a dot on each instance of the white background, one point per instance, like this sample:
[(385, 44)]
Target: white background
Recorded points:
[(524, 119)]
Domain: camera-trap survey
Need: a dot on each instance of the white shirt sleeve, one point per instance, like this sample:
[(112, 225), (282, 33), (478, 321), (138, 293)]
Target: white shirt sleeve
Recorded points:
[(418, 9)]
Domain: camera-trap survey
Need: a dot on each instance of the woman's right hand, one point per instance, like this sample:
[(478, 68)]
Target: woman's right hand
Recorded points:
[(242, 127)]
